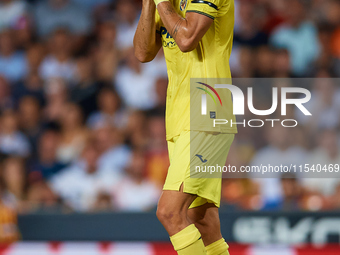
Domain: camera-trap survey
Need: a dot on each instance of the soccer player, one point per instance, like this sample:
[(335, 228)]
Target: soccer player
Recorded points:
[(196, 36)]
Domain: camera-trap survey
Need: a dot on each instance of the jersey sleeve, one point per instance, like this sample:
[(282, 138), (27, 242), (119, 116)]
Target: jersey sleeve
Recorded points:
[(209, 8)]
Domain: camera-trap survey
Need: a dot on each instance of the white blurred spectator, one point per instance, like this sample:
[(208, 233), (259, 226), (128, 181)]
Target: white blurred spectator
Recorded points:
[(114, 156), (53, 14), (80, 184), (127, 23), (135, 193), (115, 159), (136, 84), (11, 13), (12, 141), (13, 64), (59, 63), (327, 153), (157, 67)]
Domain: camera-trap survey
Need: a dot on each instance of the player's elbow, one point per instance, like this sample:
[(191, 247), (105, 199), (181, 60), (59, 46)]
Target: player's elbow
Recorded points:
[(143, 57), (186, 44)]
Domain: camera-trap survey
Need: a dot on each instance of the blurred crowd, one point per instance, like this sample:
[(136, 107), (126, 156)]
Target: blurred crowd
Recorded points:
[(82, 121)]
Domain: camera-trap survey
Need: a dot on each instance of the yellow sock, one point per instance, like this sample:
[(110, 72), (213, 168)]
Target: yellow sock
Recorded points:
[(188, 242), (219, 247)]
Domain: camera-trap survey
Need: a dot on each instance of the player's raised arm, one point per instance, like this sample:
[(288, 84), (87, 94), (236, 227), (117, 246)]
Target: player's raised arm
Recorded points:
[(146, 42), (188, 31)]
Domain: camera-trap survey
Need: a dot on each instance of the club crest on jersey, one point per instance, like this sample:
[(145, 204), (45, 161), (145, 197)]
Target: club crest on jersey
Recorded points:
[(183, 5)]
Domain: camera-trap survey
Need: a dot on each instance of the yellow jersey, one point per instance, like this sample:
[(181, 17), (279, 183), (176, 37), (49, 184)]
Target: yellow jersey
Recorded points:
[(209, 60)]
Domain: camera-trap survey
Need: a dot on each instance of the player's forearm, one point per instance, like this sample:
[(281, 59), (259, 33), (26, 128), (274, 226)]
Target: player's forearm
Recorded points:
[(145, 42), (181, 29)]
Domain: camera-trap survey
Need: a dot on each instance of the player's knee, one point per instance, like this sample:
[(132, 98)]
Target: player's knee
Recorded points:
[(165, 214), (170, 216)]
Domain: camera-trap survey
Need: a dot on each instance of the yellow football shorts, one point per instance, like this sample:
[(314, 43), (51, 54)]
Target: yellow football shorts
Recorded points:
[(192, 154)]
